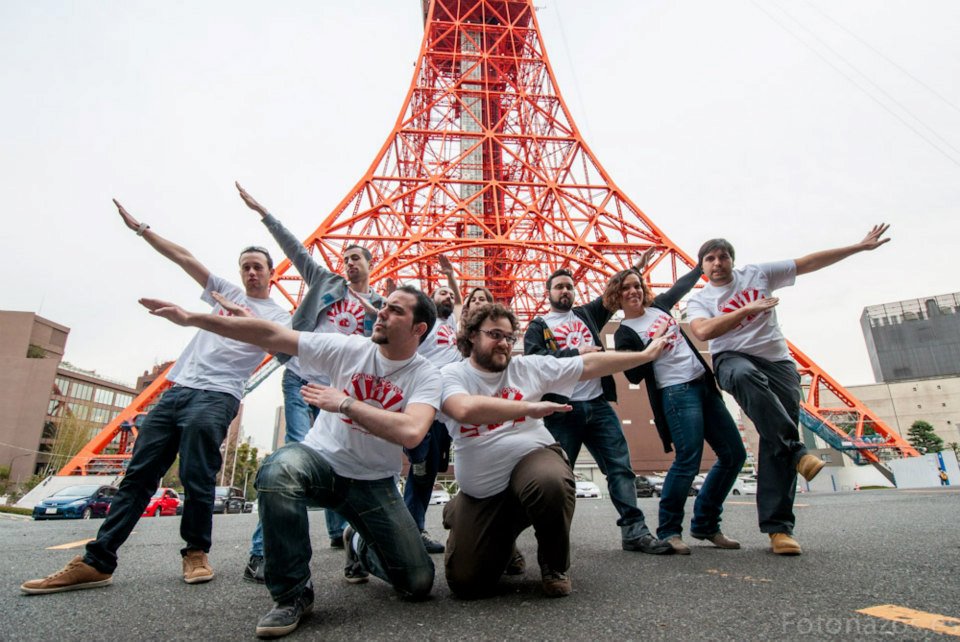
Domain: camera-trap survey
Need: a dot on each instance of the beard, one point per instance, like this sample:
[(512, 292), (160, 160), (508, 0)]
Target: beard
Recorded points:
[(445, 309), (562, 304), (492, 361), (380, 338)]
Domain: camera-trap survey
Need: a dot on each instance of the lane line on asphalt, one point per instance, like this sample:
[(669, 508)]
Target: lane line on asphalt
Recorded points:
[(77, 544), (745, 578), (914, 618)]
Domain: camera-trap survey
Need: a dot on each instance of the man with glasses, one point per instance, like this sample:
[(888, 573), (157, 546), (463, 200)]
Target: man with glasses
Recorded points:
[(512, 473), (566, 332), (333, 303), (191, 419)]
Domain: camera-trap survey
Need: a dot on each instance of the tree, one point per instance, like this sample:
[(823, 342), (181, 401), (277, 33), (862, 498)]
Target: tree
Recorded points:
[(922, 437), (72, 434), (243, 473)]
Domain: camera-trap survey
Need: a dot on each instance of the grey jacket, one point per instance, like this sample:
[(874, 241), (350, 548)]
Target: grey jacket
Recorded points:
[(324, 288)]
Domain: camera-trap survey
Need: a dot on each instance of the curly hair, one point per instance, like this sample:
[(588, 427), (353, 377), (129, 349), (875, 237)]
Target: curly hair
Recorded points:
[(471, 322), (611, 294)]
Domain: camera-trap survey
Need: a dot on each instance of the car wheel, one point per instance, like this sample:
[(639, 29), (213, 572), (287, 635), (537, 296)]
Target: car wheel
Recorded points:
[(736, 492), (158, 512), (86, 513)]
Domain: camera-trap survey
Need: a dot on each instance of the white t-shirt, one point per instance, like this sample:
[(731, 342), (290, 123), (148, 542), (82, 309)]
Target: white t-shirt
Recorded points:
[(677, 363), (571, 332), (440, 346), (345, 316), (212, 362), (758, 335), (487, 454), (354, 365)]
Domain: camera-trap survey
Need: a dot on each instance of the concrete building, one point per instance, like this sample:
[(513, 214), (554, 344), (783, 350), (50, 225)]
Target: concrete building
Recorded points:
[(913, 339), (31, 348)]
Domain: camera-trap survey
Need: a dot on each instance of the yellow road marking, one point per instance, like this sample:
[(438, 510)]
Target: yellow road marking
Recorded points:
[(63, 547), (918, 619), (745, 578)]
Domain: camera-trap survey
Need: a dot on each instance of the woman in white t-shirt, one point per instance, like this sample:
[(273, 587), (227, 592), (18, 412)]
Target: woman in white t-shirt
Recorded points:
[(687, 408)]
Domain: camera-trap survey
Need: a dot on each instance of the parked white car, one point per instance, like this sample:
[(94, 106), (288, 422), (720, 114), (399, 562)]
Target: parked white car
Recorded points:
[(439, 496), (588, 489)]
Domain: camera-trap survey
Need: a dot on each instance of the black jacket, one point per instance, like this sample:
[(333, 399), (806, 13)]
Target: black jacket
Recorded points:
[(539, 340), (627, 339)]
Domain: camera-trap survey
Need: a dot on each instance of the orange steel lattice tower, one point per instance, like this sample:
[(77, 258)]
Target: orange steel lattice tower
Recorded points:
[(486, 166)]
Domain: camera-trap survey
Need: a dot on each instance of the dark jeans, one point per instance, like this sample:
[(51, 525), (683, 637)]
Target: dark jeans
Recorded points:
[(595, 425), (193, 423), (769, 393), (390, 546), (424, 463), (542, 494), (695, 412)]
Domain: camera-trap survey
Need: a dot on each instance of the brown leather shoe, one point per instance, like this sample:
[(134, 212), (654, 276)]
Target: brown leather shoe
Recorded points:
[(555, 583), (678, 545), (72, 577), (809, 465), (784, 544), (719, 540), (196, 567), (517, 564)]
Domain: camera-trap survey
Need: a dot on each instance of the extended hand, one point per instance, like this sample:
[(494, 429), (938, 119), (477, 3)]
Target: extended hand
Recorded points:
[(389, 286), (323, 397), (655, 347), (873, 239), (167, 310), (540, 409), (587, 348), (761, 305), (128, 220), (644, 259), (231, 307), (445, 267), (250, 201)]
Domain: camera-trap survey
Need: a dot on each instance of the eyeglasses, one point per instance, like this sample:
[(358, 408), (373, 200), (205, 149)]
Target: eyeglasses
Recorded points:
[(498, 336)]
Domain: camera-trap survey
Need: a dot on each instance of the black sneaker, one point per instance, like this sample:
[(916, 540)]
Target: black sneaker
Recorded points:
[(432, 545), (284, 618), (254, 570), (336, 542), (647, 544), (517, 564), (352, 571)]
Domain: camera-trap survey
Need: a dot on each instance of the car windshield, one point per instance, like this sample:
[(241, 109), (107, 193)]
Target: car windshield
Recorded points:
[(222, 491), (76, 491)]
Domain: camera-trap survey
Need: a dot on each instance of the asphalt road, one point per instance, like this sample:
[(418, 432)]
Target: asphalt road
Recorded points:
[(861, 550)]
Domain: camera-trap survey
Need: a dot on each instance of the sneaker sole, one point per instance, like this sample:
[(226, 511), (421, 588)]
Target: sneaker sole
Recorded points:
[(199, 580), (280, 631), (253, 580), (72, 587), (357, 580)]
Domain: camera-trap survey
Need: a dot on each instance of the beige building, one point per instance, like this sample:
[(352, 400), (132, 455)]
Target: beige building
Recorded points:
[(899, 404)]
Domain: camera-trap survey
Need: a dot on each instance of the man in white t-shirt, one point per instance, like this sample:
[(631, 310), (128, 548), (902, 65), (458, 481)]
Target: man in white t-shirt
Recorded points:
[(191, 419), (512, 473), (736, 313), (382, 397)]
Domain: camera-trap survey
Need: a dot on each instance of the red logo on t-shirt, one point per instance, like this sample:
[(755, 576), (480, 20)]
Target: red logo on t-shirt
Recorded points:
[(347, 316), (671, 335), (476, 430), (741, 299), (375, 391), (573, 335), (446, 336)]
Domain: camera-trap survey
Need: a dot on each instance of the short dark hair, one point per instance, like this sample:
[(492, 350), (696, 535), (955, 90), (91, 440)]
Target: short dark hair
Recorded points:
[(611, 294), (259, 250), (555, 274), (424, 311), (714, 244), (363, 250), (470, 324)]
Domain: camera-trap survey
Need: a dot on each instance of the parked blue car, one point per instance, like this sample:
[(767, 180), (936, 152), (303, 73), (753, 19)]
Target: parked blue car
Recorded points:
[(76, 502)]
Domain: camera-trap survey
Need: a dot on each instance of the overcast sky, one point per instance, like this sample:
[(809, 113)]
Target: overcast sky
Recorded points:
[(786, 127)]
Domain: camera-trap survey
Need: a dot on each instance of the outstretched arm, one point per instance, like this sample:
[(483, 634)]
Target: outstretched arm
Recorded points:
[(179, 255), (478, 409), (819, 260), (406, 428), (601, 364), (268, 335), (707, 329), (447, 270)]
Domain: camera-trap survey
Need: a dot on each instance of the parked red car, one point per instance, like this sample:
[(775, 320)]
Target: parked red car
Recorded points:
[(165, 501)]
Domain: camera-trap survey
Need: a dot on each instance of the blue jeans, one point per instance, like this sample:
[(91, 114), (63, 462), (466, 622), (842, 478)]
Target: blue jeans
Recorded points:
[(595, 425), (187, 421), (424, 461), (390, 546), (695, 413), (299, 416)]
